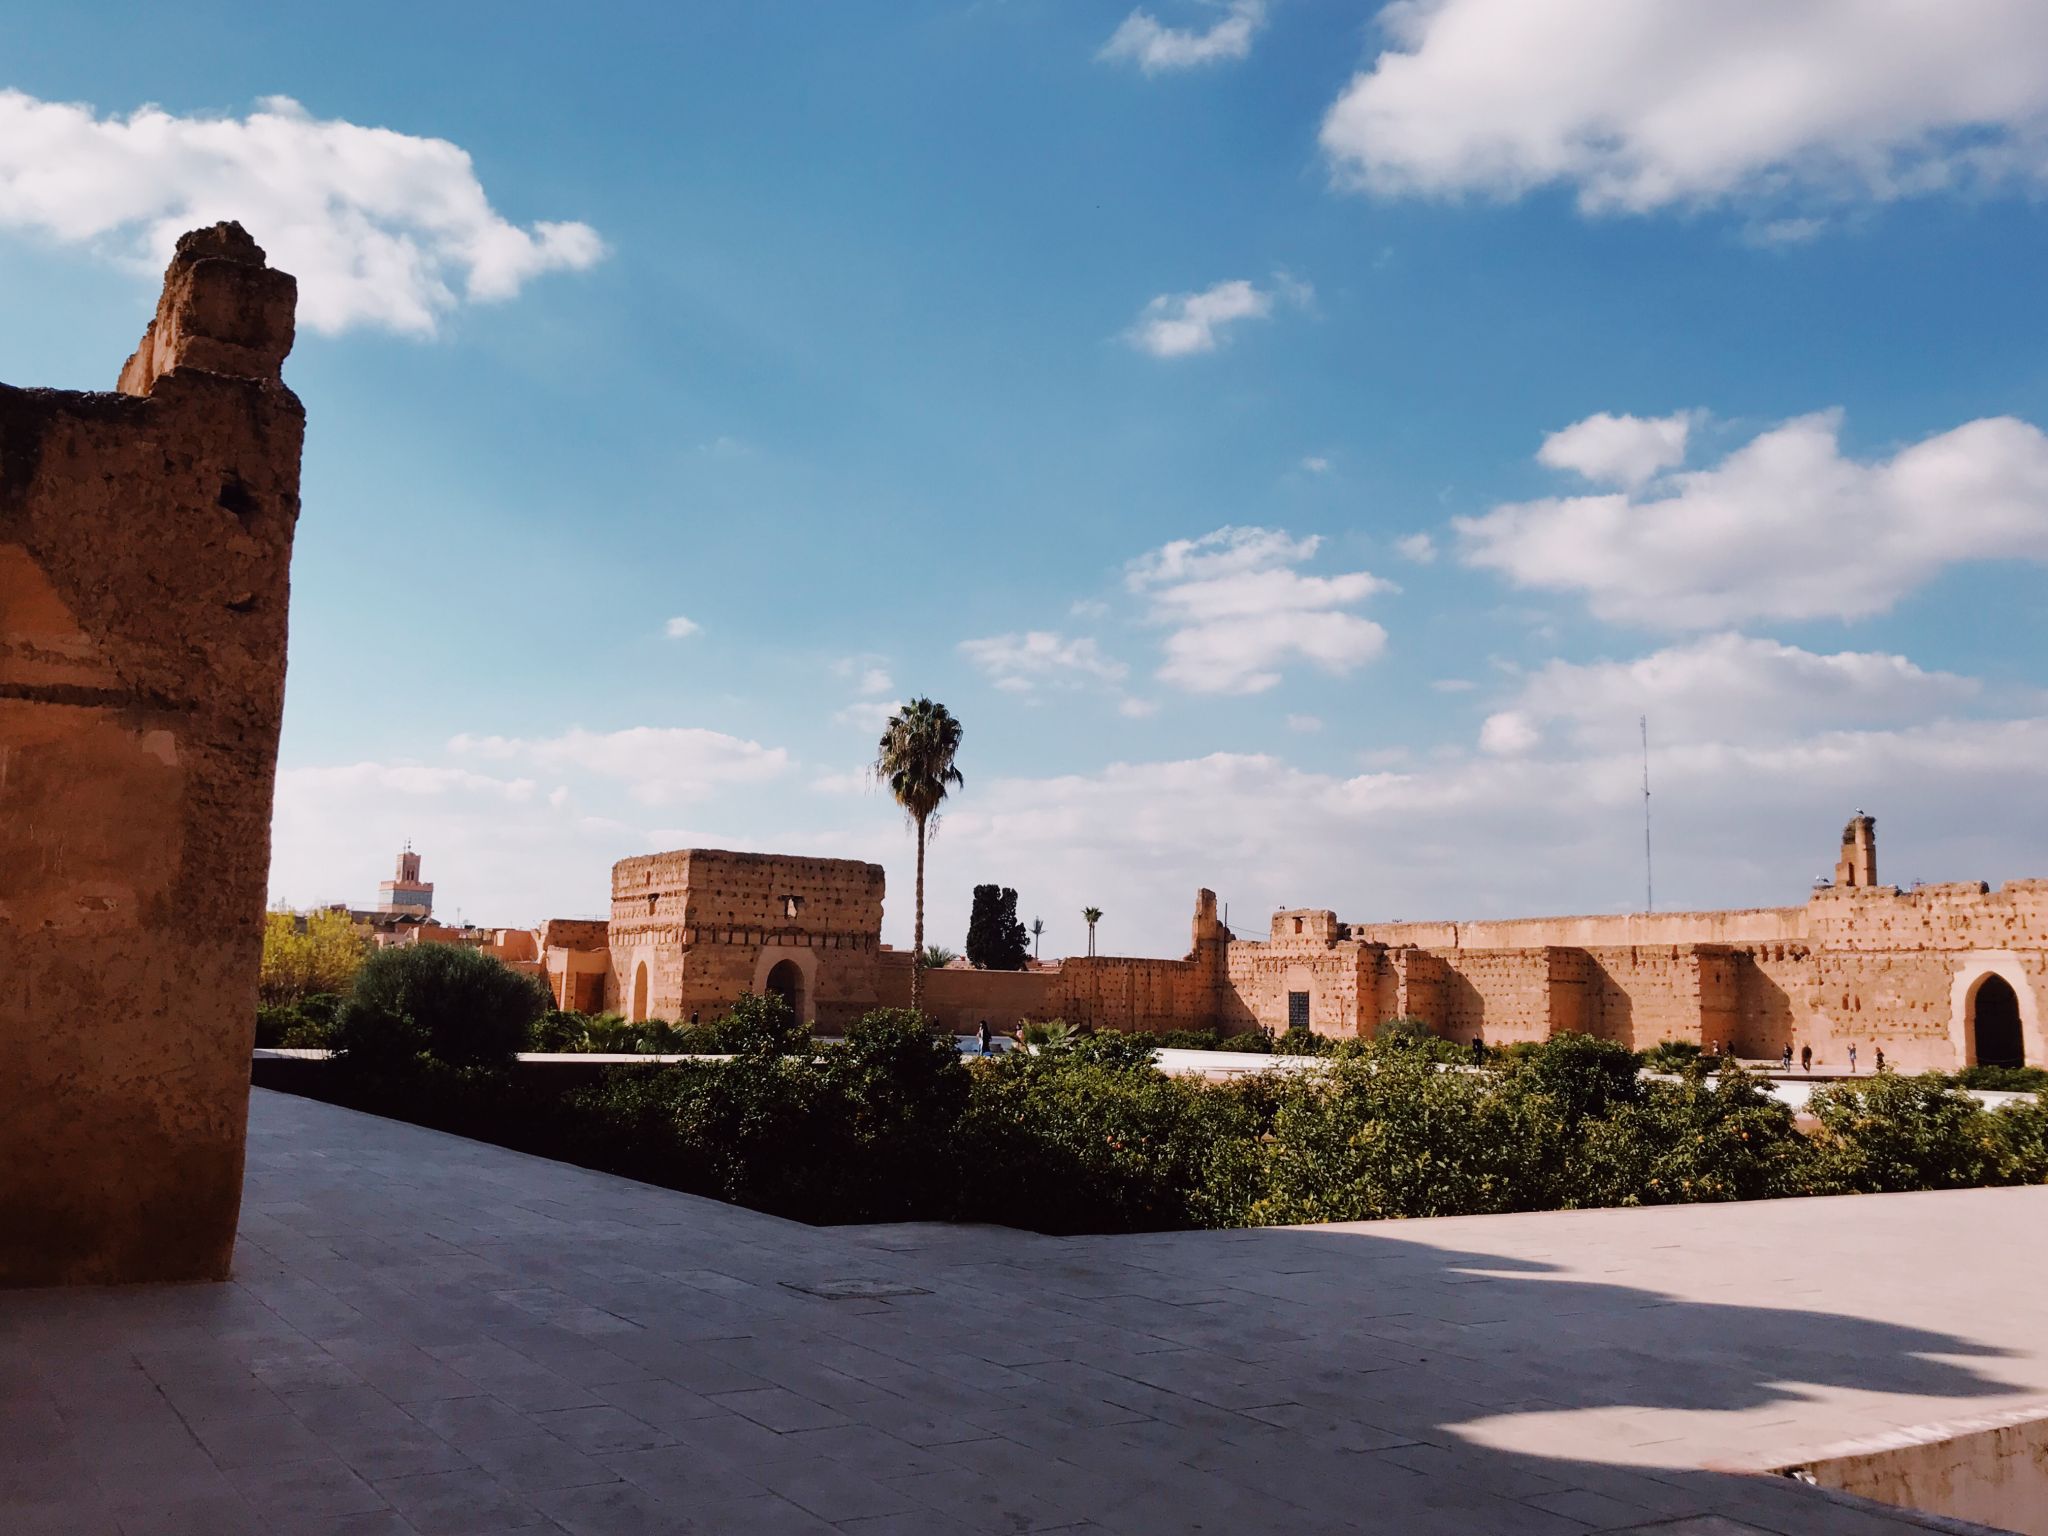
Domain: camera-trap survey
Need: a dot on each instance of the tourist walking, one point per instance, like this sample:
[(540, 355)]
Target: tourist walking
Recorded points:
[(1785, 1061), (1878, 1064), (1852, 1058), (1478, 1051), (1806, 1058), (987, 1043)]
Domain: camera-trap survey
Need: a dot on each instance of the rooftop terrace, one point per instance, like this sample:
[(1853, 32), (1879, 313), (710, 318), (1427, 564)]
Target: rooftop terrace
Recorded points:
[(430, 1335)]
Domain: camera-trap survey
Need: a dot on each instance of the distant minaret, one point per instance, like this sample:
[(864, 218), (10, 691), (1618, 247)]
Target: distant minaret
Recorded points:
[(1858, 866), (408, 893)]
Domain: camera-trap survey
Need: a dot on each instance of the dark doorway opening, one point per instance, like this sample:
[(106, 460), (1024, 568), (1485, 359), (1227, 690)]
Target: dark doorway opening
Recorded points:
[(786, 981), (1995, 1024), (1297, 1010)]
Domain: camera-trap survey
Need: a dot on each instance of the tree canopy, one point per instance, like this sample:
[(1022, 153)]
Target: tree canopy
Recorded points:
[(996, 940)]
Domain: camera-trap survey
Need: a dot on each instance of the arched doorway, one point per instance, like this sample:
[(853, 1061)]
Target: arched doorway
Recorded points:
[(786, 981), (639, 1013), (1995, 1024)]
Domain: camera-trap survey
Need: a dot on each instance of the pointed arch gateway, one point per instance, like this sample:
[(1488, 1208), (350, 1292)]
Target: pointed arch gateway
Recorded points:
[(639, 1012), (786, 981), (1996, 1039)]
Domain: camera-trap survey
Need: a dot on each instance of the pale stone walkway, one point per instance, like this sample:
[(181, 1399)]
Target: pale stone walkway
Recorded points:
[(428, 1335)]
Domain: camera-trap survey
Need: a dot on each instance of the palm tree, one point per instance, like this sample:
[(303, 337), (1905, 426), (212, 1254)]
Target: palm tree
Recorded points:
[(1091, 916), (915, 758), (937, 957), (1037, 929)]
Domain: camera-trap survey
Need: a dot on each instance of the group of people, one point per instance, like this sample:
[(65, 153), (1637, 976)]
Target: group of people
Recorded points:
[(1806, 1058)]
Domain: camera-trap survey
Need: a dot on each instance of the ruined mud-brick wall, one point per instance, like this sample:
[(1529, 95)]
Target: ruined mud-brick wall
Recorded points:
[(956, 998), (1643, 994), (1122, 992), (710, 925), (1891, 968), (1504, 996), (145, 546), (577, 959)]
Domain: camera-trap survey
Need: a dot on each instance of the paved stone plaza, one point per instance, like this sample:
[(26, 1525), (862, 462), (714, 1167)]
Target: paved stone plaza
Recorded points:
[(429, 1335)]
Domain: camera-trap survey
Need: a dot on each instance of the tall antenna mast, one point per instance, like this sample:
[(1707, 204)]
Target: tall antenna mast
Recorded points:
[(1649, 888)]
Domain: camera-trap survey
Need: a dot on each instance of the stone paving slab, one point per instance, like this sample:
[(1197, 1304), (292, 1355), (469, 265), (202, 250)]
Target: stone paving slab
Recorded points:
[(431, 1337)]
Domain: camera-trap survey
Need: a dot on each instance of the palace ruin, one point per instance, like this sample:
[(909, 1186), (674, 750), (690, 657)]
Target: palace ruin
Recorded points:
[(145, 546), (1941, 976)]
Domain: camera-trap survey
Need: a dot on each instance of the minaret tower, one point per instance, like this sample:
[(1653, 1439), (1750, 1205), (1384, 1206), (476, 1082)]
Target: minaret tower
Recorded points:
[(408, 893)]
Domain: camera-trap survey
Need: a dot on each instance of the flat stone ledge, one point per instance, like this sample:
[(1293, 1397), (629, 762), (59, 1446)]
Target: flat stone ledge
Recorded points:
[(426, 1334)]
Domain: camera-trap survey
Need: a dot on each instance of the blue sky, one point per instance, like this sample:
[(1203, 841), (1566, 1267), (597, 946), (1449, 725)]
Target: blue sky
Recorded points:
[(1162, 390)]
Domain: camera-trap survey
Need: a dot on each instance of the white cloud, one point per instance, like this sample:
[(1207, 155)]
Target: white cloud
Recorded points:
[(1618, 450), (1020, 663), (1785, 527), (1137, 709), (381, 228), (1418, 547), (1182, 324), (1238, 609), (680, 628), (1453, 685), (1731, 688), (874, 680), (1316, 464), (1307, 724), (657, 764), (1153, 47), (495, 848), (867, 714), (1508, 734), (1470, 836), (1646, 104)]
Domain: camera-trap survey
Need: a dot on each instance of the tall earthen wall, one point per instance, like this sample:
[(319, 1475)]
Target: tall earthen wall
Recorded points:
[(145, 546)]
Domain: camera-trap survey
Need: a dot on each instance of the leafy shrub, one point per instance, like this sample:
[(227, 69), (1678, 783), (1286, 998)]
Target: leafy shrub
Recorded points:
[(1079, 1141), (1583, 1077), (1672, 1055), (1404, 1031), (896, 1092), (1114, 1050), (560, 1030), (307, 956), (1304, 1042), (1694, 1140), (2003, 1079), (437, 1003), (1892, 1132), (762, 1026), (1385, 1133)]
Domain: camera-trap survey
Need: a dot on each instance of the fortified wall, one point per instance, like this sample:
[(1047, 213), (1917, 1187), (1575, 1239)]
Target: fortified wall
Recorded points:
[(1938, 977), (145, 545)]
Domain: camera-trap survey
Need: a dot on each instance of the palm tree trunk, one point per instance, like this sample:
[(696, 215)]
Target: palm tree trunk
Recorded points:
[(917, 950)]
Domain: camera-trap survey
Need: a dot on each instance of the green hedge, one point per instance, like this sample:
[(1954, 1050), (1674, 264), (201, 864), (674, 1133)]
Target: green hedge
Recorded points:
[(1082, 1135)]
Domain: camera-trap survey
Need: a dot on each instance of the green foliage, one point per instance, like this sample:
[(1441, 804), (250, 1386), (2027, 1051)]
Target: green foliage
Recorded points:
[(1074, 1141), (915, 758), (758, 1026), (307, 1024), (1583, 1077), (437, 1003), (1891, 1132), (307, 956), (1729, 1140), (1385, 1133), (937, 957), (1113, 1050), (1672, 1055), (1256, 1040), (1304, 1042), (2003, 1079), (996, 940), (1081, 1135)]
